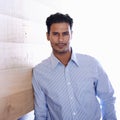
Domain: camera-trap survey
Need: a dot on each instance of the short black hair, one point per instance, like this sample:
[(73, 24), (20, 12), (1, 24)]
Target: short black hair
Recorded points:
[(58, 18)]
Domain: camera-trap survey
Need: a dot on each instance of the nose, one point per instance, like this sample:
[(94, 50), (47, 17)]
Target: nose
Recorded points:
[(60, 38)]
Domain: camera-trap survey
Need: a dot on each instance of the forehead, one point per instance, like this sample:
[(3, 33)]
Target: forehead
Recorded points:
[(60, 26)]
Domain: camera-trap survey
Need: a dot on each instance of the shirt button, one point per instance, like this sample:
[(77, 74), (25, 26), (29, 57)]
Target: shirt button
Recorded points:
[(68, 83), (74, 113), (71, 98)]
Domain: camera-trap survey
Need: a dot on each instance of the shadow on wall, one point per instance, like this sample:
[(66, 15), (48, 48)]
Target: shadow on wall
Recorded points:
[(28, 116)]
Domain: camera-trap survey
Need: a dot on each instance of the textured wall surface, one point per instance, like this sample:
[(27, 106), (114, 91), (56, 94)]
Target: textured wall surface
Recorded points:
[(22, 42)]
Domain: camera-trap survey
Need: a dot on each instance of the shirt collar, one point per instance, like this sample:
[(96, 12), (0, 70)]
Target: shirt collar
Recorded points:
[(55, 61), (74, 58)]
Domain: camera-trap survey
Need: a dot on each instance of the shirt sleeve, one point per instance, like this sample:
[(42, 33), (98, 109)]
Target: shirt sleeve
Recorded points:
[(40, 107), (105, 93)]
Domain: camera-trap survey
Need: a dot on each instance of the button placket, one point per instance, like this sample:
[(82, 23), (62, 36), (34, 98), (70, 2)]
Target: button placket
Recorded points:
[(70, 91)]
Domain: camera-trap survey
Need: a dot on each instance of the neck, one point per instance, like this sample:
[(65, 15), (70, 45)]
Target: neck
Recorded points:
[(64, 57)]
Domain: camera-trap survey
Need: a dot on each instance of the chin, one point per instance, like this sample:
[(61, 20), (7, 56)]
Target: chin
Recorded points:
[(61, 51)]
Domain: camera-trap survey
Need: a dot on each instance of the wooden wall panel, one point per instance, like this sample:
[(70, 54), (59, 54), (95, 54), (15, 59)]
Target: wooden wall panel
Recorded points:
[(16, 93), (16, 61), (22, 42)]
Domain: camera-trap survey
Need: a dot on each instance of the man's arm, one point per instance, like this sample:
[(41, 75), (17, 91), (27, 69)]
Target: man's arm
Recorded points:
[(40, 107), (106, 94)]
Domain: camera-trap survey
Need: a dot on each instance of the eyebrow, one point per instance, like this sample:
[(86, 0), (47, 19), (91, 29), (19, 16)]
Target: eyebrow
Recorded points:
[(62, 32)]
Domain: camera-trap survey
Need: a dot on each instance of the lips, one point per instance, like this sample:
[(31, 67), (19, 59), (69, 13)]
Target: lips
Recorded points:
[(60, 45)]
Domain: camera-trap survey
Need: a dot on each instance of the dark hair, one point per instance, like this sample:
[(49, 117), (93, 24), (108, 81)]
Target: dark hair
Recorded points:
[(58, 18)]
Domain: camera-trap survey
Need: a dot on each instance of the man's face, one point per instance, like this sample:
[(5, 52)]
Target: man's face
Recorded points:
[(59, 37)]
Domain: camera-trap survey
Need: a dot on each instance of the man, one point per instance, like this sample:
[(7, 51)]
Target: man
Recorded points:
[(67, 85)]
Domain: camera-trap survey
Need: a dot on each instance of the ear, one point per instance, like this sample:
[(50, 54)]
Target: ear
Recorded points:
[(48, 36)]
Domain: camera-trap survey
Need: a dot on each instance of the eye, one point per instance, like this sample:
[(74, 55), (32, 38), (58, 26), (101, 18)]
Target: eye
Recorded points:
[(65, 33), (55, 33)]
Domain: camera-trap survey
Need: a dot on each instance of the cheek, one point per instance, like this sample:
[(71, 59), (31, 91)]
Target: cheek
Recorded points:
[(68, 40), (53, 40)]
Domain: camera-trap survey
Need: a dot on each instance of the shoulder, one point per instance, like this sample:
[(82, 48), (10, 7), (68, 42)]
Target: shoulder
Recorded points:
[(89, 62), (86, 58)]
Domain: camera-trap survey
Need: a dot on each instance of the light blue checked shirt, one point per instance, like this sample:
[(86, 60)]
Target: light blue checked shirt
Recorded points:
[(72, 92)]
